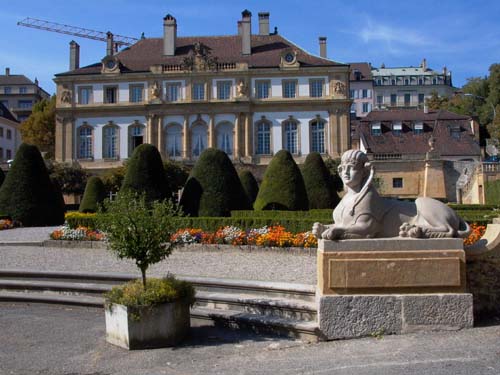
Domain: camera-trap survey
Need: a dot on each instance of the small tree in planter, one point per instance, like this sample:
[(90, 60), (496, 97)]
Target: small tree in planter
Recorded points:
[(151, 312)]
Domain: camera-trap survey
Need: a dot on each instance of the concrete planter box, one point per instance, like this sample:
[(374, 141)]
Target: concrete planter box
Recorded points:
[(147, 327)]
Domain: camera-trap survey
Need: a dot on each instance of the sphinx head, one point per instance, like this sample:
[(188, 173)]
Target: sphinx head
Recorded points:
[(354, 169)]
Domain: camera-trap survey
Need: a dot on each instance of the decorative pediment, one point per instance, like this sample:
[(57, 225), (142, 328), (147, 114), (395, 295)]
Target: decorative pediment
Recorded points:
[(199, 59)]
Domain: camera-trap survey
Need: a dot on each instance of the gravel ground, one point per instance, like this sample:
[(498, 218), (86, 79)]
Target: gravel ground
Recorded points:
[(26, 234), (273, 266)]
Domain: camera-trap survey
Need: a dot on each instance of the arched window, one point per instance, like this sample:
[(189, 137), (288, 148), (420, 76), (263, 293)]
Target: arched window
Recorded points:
[(198, 139), (110, 135), (291, 136), (225, 137), (263, 138), (174, 141), (135, 136), (318, 136), (85, 141)]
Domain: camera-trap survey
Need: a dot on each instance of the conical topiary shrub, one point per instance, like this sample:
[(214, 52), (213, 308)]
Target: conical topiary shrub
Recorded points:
[(2, 177), (250, 185), (213, 187), (94, 195), (319, 183), (27, 194), (283, 186), (145, 174), (57, 204)]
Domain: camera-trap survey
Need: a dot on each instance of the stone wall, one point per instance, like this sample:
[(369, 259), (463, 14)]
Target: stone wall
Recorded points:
[(483, 281)]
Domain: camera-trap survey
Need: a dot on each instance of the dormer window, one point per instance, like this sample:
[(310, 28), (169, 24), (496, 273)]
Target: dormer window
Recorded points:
[(357, 75), (397, 128), (418, 128), (455, 131), (376, 129)]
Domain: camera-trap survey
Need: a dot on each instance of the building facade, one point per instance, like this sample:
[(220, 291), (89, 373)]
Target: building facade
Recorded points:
[(409, 87), (248, 95), (18, 93), (10, 137), (361, 89)]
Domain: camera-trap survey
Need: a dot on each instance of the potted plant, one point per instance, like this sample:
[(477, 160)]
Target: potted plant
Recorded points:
[(146, 313)]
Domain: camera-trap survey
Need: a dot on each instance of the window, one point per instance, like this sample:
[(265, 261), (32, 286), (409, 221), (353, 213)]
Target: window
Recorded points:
[(136, 136), (5, 103), (380, 99), (393, 82), (289, 88), (84, 95), (367, 107), (262, 89), (136, 93), (421, 98), (9, 134), (110, 142), (1, 152), (224, 90), (198, 139), (418, 128), (198, 91), (353, 108), (1, 132), (407, 100), (22, 90), (397, 182), (316, 88), (318, 136), (174, 141), (364, 93), (407, 81), (397, 128), (225, 138), (263, 138), (85, 150), (455, 131), (379, 82), (291, 136), (7, 90), (110, 94), (394, 99), (376, 129), (351, 93), (25, 104), (434, 81), (174, 92), (8, 154)]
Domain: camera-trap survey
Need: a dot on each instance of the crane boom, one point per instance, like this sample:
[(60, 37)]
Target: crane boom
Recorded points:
[(119, 40)]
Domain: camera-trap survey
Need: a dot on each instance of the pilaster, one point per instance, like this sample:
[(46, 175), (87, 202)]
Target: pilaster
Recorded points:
[(248, 134), (211, 132), (237, 136), (161, 137), (186, 154)]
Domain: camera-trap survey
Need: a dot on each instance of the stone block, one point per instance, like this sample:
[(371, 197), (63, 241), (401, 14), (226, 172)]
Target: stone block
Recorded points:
[(349, 316), (437, 312)]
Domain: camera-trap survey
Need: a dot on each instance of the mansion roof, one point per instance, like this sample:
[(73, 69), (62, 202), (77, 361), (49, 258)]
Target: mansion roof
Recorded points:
[(6, 114), (453, 133), (15, 79), (266, 53)]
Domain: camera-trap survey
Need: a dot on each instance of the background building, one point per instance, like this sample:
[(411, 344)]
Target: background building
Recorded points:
[(408, 87), (10, 137), (361, 89), (18, 93), (248, 95)]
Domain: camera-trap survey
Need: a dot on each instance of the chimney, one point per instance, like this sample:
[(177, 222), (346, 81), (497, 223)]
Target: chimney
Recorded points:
[(264, 23), (426, 108), (74, 55), (423, 65), (322, 46), (239, 28), (7, 71), (246, 32), (109, 44), (445, 71), (169, 35)]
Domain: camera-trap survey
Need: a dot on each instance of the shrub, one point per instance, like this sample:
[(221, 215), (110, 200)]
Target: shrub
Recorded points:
[(283, 186), (145, 174), (250, 185), (213, 187), (113, 178), (2, 177), (27, 194), (57, 204), (319, 183), (94, 195), (176, 175), (77, 219), (71, 177)]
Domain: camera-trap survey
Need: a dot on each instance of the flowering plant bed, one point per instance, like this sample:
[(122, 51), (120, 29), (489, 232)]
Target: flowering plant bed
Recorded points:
[(6, 224), (78, 234)]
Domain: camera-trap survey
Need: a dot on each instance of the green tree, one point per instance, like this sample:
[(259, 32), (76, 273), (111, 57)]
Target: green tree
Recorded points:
[(39, 127), (2, 177), (71, 177), (250, 185), (27, 194), (213, 187), (176, 175), (319, 183), (95, 193), (138, 229), (145, 174), (283, 186), (113, 178)]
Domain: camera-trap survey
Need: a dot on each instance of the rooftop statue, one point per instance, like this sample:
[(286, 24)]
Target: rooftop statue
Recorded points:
[(363, 213)]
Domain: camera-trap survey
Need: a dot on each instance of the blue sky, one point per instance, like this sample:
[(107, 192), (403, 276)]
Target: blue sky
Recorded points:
[(463, 35)]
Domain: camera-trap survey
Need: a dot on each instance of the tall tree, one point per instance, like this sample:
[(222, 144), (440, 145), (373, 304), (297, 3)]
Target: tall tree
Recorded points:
[(39, 127)]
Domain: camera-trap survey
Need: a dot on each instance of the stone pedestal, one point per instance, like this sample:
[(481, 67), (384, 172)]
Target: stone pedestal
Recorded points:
[(391, 285)]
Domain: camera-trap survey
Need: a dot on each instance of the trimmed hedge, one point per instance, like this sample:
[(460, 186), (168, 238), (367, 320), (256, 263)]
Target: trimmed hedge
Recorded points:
[(319, 184), (283, 186), (94, 195), (473, 207), (213, 187), (250, 185), (320, 214), (78, 219)]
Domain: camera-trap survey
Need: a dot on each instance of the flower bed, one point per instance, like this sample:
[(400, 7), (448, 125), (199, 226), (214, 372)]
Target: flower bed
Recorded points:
[(78, 234), (6, 224), (476, 233)]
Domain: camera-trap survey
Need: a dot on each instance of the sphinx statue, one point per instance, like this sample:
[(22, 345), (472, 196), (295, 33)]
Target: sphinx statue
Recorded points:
[(363, 213)]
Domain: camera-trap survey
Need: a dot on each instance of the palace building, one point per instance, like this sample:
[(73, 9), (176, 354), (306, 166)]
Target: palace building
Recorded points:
[(248, 95)]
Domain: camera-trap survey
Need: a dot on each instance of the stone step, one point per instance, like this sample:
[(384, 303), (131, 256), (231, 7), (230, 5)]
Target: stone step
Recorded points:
[(308, 331), (38, 297), (257, 304), (55, 286)]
